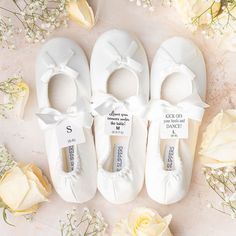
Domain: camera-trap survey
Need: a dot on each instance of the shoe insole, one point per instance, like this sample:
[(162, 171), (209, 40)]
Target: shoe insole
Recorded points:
[(174, 89), (121, 84), (62, 94)]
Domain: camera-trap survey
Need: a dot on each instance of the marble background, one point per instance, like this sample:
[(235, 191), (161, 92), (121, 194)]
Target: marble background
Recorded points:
[(25, 141)]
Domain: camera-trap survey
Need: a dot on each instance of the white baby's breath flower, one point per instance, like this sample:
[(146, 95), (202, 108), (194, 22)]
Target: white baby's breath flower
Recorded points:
[(222, 189), (198, 12), (233, 180), (91, 221), (208, 177), (215, 181), (227, 199), (229, 169), (209, 205), (144, 3), (33, 16), (213, 171), (6, 160), (233, 216), (226, 174), (15, 94), (233, 197)]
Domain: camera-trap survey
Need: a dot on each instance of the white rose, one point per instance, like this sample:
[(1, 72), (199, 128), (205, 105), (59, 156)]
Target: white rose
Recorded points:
[(218, 145), (81, 12), (143, 222), (22, 188)]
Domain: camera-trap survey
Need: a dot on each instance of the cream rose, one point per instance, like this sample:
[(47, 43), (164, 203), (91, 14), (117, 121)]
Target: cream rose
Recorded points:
[(81, 12), (22, 188), (143, 222), (21, 99), (189, 9), (218, 145)]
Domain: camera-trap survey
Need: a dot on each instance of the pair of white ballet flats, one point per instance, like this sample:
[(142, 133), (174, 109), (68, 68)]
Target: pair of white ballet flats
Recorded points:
[(120, 108)]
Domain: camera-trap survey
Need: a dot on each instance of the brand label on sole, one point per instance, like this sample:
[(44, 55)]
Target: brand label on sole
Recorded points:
[(169, 158), (119, 154)]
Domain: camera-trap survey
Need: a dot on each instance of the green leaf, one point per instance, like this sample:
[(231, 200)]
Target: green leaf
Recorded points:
[(2, 204), (4, 216)]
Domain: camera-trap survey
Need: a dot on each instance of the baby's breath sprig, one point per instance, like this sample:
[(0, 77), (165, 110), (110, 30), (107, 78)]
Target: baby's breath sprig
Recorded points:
[(6, 160), (223, 182), (6, 163), (90, 223), (36, 19), (144, 3), (11, 90), (218, 18), (7, 32)]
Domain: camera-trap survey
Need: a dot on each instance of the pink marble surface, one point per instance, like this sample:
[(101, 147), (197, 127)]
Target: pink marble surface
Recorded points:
[(24, 138)]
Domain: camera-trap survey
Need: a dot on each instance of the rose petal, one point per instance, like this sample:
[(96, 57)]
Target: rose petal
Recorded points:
[(152, 229), (34, 196), (219, 122), (22, 100), (35, 174), (13, 187), (121, 228)]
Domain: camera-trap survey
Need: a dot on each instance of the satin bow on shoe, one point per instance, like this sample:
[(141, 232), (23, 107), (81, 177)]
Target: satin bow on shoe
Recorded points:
[(170, 66), (54, 68), (123, 60), (104, 104), (80, 115), (192, 106)]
